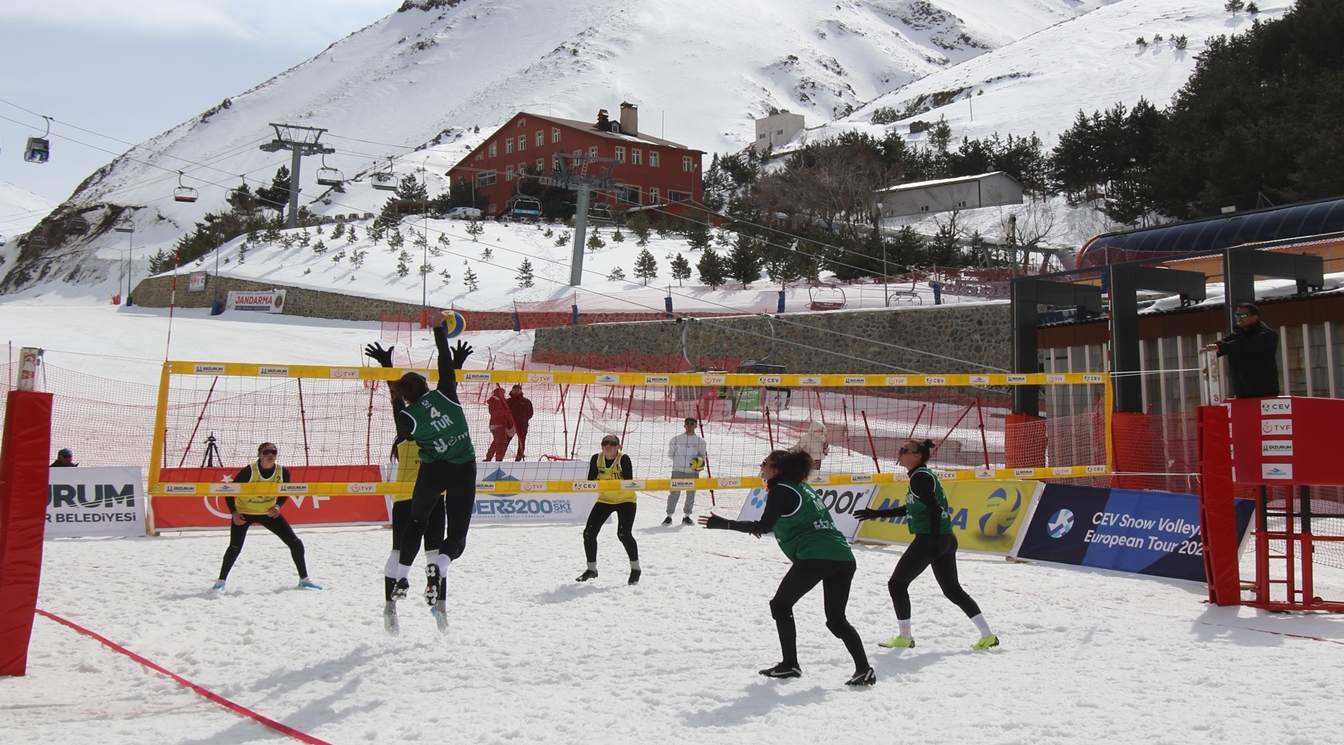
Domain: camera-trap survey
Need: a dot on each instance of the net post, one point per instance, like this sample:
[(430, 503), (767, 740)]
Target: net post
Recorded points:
[(24, 477), (156, 443)]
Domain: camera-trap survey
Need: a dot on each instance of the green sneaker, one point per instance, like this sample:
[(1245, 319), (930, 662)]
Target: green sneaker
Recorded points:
[(902, 642), (986, 642)]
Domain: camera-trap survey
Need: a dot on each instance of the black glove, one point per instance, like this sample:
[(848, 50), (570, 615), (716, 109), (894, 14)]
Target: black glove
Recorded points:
[(376, 352), (460, 354), (868, 514), (714, 522)]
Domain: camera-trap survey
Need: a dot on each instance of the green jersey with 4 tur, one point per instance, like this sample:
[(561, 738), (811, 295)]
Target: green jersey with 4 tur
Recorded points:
[(440, 429), (809, 532)]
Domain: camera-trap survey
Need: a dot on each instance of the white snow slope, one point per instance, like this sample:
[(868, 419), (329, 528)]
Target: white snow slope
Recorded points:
[(20, 210), (698, 70), (532, 656)]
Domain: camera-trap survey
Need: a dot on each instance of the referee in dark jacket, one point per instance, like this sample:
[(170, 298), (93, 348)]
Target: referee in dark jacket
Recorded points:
[(1252, 354)]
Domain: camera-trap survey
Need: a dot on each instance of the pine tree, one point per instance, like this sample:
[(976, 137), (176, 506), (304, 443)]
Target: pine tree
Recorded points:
[(403, 264), (618, 236), (646, 267), (711, 268), (470, 280), (697, 231), (242, 253), (357, 257), (474, 229), (1232, 6), (640, 226), (681, 269), (338, 231), (595, 241), (617, 275), (305, 238), (395, 240), (487, 254), (350, 236), (524, 275), (744, 262), (320, 247), (276, 196)]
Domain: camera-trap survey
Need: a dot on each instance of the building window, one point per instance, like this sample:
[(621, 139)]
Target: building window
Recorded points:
[(653, 196), (480, 156), (541, 166), (685, 162), (541, 138), (485, 178), (637, 156), (522, 142), (522, 122), (628, 194), (620, 154), (493, 150), (508, 173), (555, 163), (762, 137), (653, 159), (678, 196), (555, 134), (592, 151), (508, 146), (779, 132), (522, 169)]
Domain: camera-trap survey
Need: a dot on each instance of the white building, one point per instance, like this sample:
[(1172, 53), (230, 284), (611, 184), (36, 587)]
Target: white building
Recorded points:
[(951, 194), (777, 130)]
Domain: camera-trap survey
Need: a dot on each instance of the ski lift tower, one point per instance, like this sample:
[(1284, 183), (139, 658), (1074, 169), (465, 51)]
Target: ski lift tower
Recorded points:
[(300, 141), (584, 174)]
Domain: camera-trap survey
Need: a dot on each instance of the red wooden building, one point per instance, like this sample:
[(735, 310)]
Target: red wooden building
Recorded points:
[(650, 172)]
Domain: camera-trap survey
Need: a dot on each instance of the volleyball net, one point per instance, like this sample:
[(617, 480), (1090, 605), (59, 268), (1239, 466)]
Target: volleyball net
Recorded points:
[(334, 426)]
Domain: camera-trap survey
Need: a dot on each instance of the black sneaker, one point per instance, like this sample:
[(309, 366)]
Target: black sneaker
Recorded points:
[(865, 678), (401, 589), (667, 520), (433, 584), (587, 575), (634, 576), (687, 520), (782, 671)]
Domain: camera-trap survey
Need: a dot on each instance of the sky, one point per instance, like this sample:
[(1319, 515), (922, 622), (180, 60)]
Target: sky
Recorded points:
[(103, 66)]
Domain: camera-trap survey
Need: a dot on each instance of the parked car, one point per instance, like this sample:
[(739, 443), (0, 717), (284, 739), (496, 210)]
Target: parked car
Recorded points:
[(464, 213)]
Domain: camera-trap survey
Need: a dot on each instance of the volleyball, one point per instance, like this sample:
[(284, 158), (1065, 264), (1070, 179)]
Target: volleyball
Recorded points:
[(453, 323), (697, 464), (1001, 510)]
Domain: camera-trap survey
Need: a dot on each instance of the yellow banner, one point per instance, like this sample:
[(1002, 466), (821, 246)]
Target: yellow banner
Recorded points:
[(986, 515)]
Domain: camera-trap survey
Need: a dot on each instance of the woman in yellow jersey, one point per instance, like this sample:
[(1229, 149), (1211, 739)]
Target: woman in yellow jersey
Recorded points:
[(406, 454), (263, 509), (611, 465)]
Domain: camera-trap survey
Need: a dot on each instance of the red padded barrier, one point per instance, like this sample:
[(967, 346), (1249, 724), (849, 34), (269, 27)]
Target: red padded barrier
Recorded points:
[(23, 512)]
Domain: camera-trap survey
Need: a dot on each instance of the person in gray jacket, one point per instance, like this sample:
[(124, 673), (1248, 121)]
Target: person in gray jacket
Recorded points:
[(689, 455)]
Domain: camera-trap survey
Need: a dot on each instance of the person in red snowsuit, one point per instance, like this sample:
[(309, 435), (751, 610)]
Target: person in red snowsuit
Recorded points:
[(501, 425), (521, 409)]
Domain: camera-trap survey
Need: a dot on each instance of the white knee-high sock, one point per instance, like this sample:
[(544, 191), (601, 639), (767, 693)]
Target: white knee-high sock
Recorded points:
[(904, 627), (390, 568)]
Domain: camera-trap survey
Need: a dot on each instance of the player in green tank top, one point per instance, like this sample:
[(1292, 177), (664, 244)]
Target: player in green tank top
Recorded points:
[(934, 545), (820, 554)]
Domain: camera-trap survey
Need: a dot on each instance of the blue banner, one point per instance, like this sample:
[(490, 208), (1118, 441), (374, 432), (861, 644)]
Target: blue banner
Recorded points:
[(1145, 532)]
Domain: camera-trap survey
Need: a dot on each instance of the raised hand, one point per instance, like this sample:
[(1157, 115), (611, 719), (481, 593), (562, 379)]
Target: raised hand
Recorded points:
[(376, 352), (460, 354)]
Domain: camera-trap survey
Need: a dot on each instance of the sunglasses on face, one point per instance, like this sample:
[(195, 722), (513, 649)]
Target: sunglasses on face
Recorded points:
[(609, 444), (904, 451), (765, 464), (269, 452), (1243, 315)]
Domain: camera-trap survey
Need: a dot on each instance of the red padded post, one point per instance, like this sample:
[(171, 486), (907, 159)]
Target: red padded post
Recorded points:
[(23, 513), (1217, 515)]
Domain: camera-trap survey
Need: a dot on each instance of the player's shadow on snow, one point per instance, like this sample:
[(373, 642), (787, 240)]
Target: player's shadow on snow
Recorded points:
[(759, 699), (578, 590)]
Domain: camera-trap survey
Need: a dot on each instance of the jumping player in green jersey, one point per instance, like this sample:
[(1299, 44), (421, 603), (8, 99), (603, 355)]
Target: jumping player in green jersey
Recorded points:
[(934, 545), (819, 552), (435, 421), (406, 455)]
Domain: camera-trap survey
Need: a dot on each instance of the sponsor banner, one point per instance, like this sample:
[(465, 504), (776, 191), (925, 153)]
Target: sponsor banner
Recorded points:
[(211, 512), (95, 502), (840, 501), (196, 282), (1144, 532), (986, 515), (509, 500), (270, 301)]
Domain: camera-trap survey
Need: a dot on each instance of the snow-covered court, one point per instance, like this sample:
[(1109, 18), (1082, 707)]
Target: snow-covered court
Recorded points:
[(532, 656)]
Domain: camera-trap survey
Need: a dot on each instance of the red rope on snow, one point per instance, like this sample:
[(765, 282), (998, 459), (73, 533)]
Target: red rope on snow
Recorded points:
[(211, 695)]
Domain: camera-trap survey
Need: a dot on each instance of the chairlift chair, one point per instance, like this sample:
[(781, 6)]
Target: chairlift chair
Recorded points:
[(385, 180), (826, 297), (526, 207), (183, 193), (37, 241), (123, 226), (3, 241), (39, 149), (76, 224), (329, 176)]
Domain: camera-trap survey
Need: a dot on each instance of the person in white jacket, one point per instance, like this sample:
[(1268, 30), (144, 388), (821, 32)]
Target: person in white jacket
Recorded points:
[(814, 444), (689, 455)]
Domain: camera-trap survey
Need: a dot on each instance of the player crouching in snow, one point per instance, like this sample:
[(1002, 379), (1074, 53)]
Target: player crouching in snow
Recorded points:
[(262, 509)]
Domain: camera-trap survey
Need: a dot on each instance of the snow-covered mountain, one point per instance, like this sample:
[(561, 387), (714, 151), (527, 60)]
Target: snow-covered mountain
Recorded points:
[(430, 75), (20, 210)]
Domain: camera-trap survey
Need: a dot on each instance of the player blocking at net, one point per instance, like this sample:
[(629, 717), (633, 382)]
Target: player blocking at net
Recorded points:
[(434, 419)]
